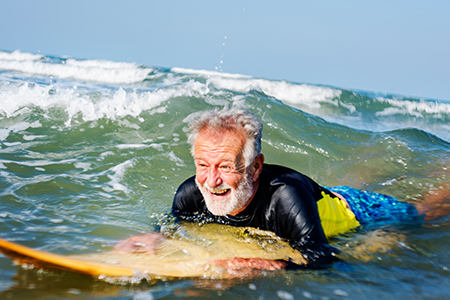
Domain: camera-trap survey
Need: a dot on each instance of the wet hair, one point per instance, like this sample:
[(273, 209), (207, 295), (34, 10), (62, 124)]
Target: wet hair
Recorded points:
[(232, 119)]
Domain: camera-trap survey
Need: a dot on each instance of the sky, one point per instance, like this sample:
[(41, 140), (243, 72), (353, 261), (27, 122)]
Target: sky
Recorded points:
[(385, 46)]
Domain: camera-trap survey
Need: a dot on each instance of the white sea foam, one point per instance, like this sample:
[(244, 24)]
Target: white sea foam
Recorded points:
[(105, 154), (285, 295), (117, 175), (33, 137), (175, 158), (414, 108), (132, 146), (146, 295), (18, 98), (19, 56), (289, 93), (83, 165), (40, 163), (208, 73), (4, 132), (83, 70)]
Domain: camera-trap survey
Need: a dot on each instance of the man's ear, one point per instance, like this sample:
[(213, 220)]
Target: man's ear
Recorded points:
[(257, 166)]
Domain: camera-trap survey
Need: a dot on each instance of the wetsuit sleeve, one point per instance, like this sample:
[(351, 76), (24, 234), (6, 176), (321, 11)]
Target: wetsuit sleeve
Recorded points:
[(188, 200), (298, 220)]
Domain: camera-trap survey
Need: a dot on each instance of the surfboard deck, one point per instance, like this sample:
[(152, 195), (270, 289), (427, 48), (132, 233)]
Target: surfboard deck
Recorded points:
[(188, 253), (105, 264)]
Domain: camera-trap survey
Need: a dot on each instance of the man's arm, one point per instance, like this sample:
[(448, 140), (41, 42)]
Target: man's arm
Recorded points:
[(297, 220), (239, 263), (145, 243)]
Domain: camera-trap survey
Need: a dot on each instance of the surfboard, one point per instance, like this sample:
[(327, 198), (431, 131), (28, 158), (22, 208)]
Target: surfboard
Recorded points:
[(189, 252)]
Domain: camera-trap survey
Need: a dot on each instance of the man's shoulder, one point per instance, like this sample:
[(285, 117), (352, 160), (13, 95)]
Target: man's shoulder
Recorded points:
[(289, 186), (188, 197), (277, 173), (188, 184)]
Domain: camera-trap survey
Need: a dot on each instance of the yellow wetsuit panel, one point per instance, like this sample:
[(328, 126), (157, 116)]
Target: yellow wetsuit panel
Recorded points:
[(336, 218)]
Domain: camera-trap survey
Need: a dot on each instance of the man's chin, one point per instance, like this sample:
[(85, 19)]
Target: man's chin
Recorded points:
[(218, 211)]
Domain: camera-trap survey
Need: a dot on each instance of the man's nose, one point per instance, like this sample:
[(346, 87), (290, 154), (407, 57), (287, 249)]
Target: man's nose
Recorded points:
[(214, 178)]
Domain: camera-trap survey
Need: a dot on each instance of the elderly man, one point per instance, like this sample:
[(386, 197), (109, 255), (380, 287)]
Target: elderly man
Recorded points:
[(233, 186)]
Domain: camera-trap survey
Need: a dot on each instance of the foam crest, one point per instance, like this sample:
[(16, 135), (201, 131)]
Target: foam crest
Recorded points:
[(207, 73), (414, 108), (19, 98), (19, 56), (82, 70), (289, 93)]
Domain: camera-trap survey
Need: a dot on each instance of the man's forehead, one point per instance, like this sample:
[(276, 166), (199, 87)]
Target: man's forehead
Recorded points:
[(219, 132), (224, 138), (225, 143)]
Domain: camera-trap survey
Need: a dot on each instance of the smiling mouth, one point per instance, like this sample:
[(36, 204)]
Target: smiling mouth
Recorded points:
[(220, 192)]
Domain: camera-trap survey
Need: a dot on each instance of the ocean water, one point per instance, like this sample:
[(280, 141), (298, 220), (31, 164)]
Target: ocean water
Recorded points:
[(92, 151)]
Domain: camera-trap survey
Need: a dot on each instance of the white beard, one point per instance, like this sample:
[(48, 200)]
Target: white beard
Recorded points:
[(235, 201)]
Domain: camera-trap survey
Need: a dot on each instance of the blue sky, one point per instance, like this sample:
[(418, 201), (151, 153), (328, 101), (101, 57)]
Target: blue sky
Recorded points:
[(396, 46)]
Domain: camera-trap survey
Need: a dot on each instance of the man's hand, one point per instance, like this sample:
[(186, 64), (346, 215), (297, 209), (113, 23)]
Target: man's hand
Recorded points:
[(145, 243), (238, 263)]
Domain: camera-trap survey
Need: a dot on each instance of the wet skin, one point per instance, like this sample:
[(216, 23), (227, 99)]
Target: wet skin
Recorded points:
[(220, 167)]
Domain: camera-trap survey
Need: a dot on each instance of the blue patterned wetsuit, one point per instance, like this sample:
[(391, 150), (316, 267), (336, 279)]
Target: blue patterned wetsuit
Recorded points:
[(370, 207)]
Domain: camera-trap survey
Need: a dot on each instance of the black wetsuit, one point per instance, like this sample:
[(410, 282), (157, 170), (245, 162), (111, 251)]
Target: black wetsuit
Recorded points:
[(285, 204)]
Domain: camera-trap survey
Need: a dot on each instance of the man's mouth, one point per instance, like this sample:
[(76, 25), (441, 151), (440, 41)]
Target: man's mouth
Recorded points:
[(220, 192)]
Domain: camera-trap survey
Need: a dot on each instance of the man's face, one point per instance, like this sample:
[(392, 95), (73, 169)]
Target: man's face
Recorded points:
[(221, 175)]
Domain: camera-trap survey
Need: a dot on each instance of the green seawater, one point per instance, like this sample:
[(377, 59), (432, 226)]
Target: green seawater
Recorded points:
[(85, 164)]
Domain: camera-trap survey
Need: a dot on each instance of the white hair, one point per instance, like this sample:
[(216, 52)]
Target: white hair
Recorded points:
[(233, 119)]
